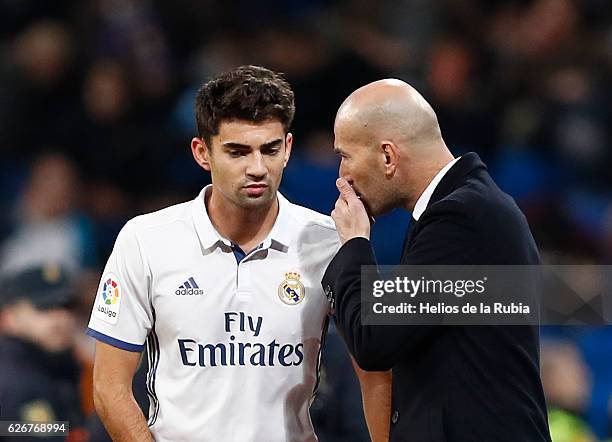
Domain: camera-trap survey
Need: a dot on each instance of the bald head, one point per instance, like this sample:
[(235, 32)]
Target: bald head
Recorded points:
[(390, 110), (390, 143)]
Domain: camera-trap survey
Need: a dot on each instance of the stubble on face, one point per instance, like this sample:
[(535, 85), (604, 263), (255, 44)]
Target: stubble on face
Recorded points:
[(243, 199), (240, 183)]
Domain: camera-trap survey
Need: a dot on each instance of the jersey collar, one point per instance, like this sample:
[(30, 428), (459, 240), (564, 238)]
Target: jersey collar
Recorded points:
[(209, 237), (281, 233)]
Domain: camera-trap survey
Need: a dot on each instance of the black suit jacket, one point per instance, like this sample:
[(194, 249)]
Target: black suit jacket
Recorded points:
[(452, 383)]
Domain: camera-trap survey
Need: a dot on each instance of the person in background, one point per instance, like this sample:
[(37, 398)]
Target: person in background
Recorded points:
[(47, 225), (38, 374)]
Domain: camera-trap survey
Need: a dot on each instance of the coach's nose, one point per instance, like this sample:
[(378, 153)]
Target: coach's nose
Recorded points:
[(343, 172)]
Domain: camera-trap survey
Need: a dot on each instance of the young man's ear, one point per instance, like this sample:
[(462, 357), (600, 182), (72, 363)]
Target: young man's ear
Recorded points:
[(200, 153), (288, 145)]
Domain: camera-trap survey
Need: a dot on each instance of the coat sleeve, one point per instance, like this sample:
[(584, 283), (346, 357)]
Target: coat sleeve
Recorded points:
[(444, 237)]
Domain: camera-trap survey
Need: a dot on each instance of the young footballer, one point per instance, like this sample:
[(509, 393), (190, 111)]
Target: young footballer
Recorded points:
[(224, 291)]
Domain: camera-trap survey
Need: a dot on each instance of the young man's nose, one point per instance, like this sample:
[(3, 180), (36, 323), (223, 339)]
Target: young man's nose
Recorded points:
[(257, 166)]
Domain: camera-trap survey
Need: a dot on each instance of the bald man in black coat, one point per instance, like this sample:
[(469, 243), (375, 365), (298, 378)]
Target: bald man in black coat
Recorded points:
[(449, 383)]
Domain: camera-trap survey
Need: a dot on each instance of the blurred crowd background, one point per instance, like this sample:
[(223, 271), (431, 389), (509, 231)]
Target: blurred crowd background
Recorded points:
[(96, 116)]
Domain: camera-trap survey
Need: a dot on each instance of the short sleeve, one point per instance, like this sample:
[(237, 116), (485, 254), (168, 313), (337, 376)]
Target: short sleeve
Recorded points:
[(122, 313)]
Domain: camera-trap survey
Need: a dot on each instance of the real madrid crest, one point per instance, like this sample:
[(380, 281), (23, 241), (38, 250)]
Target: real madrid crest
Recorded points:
[(291, 291)]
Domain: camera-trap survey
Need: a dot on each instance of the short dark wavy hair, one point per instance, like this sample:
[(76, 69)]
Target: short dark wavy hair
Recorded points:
[(250, 93)]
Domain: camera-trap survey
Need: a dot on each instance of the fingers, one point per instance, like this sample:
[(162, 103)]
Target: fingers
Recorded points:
[(340, 208), (346, 191), (344, 187), (340, 203), (350, 218), (348, 195)]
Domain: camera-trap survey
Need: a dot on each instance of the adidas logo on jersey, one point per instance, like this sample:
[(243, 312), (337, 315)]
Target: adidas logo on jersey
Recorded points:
[(189, 287)]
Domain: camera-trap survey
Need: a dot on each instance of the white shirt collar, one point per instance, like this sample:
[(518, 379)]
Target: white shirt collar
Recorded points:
[(209, 236), (423, 200)]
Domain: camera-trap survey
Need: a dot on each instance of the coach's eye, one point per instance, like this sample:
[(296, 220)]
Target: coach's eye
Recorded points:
[(235, 153)]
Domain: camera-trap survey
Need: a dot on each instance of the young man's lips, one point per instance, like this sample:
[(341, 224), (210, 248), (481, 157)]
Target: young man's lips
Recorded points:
[(256, 189)]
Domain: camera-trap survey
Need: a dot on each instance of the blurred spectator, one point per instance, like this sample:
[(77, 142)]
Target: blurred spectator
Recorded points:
[(565, 427), (466, 121), (566, 382), (43, 53), (565, 377), (38, 374), (47, 227), (37, 102)]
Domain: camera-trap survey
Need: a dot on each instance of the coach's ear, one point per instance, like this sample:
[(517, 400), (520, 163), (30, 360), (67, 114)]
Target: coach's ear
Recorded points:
[(391, 156), (200, 153), (288, 146)]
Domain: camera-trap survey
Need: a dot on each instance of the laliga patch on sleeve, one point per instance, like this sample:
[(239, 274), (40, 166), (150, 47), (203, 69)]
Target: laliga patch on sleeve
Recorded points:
[(108, 299)]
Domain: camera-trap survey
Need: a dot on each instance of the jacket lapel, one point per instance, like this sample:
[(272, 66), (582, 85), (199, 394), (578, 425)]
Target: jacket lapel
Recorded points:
[(453, 178)]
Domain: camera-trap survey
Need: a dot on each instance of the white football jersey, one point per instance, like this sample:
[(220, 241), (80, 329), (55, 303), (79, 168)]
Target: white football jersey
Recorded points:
[(234, 345)]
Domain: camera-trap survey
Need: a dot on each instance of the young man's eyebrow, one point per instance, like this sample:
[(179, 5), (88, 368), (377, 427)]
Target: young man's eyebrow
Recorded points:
[(233, 145), (272, 143)]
